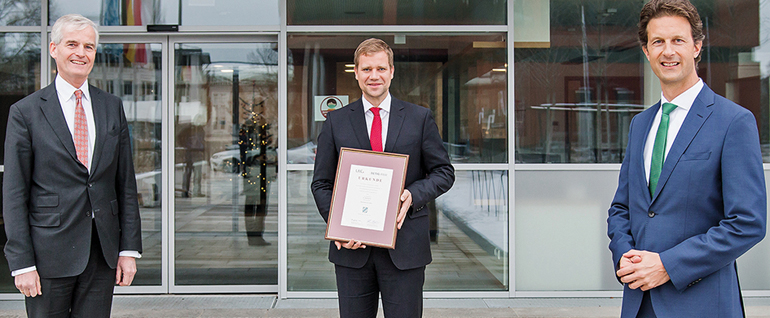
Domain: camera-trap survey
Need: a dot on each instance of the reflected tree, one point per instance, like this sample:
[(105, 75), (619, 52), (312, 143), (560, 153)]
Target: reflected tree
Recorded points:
[(19, 12)]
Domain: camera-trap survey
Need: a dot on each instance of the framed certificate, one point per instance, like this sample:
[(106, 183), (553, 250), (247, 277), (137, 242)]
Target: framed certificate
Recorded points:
[(366, 197)]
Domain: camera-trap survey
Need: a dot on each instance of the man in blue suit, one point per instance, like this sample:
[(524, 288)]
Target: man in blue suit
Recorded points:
[(691, 192), (380, 122)]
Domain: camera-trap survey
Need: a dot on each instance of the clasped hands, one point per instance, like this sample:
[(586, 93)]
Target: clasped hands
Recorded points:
[(406, 202), (642, 269)]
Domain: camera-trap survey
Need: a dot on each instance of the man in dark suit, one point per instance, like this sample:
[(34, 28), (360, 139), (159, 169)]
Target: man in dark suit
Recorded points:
[(691, 192), (69, 191), (374, 121)]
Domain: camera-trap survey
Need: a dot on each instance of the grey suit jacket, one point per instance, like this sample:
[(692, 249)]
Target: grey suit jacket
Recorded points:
[(49, 197)]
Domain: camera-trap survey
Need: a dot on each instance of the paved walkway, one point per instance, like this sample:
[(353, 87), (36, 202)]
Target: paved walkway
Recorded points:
[(233, 306)]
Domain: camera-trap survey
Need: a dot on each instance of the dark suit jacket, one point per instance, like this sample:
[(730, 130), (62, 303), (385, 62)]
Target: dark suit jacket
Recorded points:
[(49, 196), (709, 208), (411, 131)]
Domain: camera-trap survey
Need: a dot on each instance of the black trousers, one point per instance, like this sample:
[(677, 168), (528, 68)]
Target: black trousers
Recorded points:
[(358, 288), (87, 295)]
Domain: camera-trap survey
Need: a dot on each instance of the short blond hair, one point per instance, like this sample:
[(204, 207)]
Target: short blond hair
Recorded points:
[(373, 46)]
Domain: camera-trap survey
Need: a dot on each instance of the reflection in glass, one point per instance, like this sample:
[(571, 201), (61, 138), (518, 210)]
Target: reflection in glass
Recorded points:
[(574, 102), (308, 263), (20, 76), (469, 236), (19, 12), (226, 202), (404, 12), (182, 12), (576, 95), (132, 71), (117, 12), (462, 79)]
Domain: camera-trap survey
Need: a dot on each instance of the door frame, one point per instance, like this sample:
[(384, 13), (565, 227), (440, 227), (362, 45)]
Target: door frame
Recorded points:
[(168, 43)]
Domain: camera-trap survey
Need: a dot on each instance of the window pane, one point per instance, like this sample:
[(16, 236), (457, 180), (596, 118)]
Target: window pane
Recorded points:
[(754, 264), (404, 12), (468, 230), (226, 199), (574, 104), (132, 71), (19, 12), (578, 88), (309, 268), (20, 76), (563, 216), (19, 71), (184, 12), (461, 78)]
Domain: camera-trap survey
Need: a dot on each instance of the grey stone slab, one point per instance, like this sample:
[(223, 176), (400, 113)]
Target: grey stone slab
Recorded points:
[(193, 302), (11, 305), (756, 301), (548, 312), (553, 302), (306, 303), (454, 303)]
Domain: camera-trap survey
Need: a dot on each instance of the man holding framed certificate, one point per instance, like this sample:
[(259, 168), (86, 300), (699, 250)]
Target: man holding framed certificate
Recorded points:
[(380, 122)]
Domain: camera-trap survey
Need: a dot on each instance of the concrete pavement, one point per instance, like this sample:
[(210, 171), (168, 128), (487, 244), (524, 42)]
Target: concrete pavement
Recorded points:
[(232, 306)]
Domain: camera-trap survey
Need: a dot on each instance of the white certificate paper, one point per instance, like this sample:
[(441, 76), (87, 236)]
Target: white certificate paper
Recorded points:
[(366, 200)]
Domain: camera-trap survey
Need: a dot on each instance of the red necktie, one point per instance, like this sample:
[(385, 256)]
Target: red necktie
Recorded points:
[(81, 129), (376, 137)]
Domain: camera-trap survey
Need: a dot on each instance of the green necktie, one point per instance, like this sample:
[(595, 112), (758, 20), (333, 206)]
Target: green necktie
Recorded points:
[(659, 147)]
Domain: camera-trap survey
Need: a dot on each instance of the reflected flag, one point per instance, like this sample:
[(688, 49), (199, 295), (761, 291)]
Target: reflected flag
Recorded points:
[(110, 14), (136, 53)]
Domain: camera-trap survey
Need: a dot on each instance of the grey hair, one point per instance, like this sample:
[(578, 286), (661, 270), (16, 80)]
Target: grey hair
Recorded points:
[(73, 22)]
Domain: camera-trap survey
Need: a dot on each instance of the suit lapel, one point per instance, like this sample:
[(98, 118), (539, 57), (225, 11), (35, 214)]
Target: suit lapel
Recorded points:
[(698, 114), (358, 122), (640, 150), (53, 113), (100, 122), (394, 123)]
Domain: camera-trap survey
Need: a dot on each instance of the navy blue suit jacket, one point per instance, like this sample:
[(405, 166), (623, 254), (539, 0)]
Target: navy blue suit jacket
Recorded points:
[(708, 209), (411, 131)]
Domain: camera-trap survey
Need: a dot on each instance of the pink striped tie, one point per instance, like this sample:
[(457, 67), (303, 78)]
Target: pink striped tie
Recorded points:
[(81, 129)]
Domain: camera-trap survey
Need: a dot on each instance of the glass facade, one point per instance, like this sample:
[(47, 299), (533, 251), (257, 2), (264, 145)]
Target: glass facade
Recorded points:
[(225, 189), (182, 12), (20, 76), (532, 98), (132, 71), (385, 12), (461, 78), (468, 228)]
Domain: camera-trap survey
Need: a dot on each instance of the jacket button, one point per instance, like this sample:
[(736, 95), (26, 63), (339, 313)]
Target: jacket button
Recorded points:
[(651, 214), (90, 185), (88, 213)]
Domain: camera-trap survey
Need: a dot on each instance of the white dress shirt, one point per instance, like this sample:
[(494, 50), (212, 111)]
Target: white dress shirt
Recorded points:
[(67, 100), (683, 104), (384, 116)]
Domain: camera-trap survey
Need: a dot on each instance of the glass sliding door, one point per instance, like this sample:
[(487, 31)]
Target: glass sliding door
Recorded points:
[(462, 79), (20, 76), (225, 135), (132, 70)]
